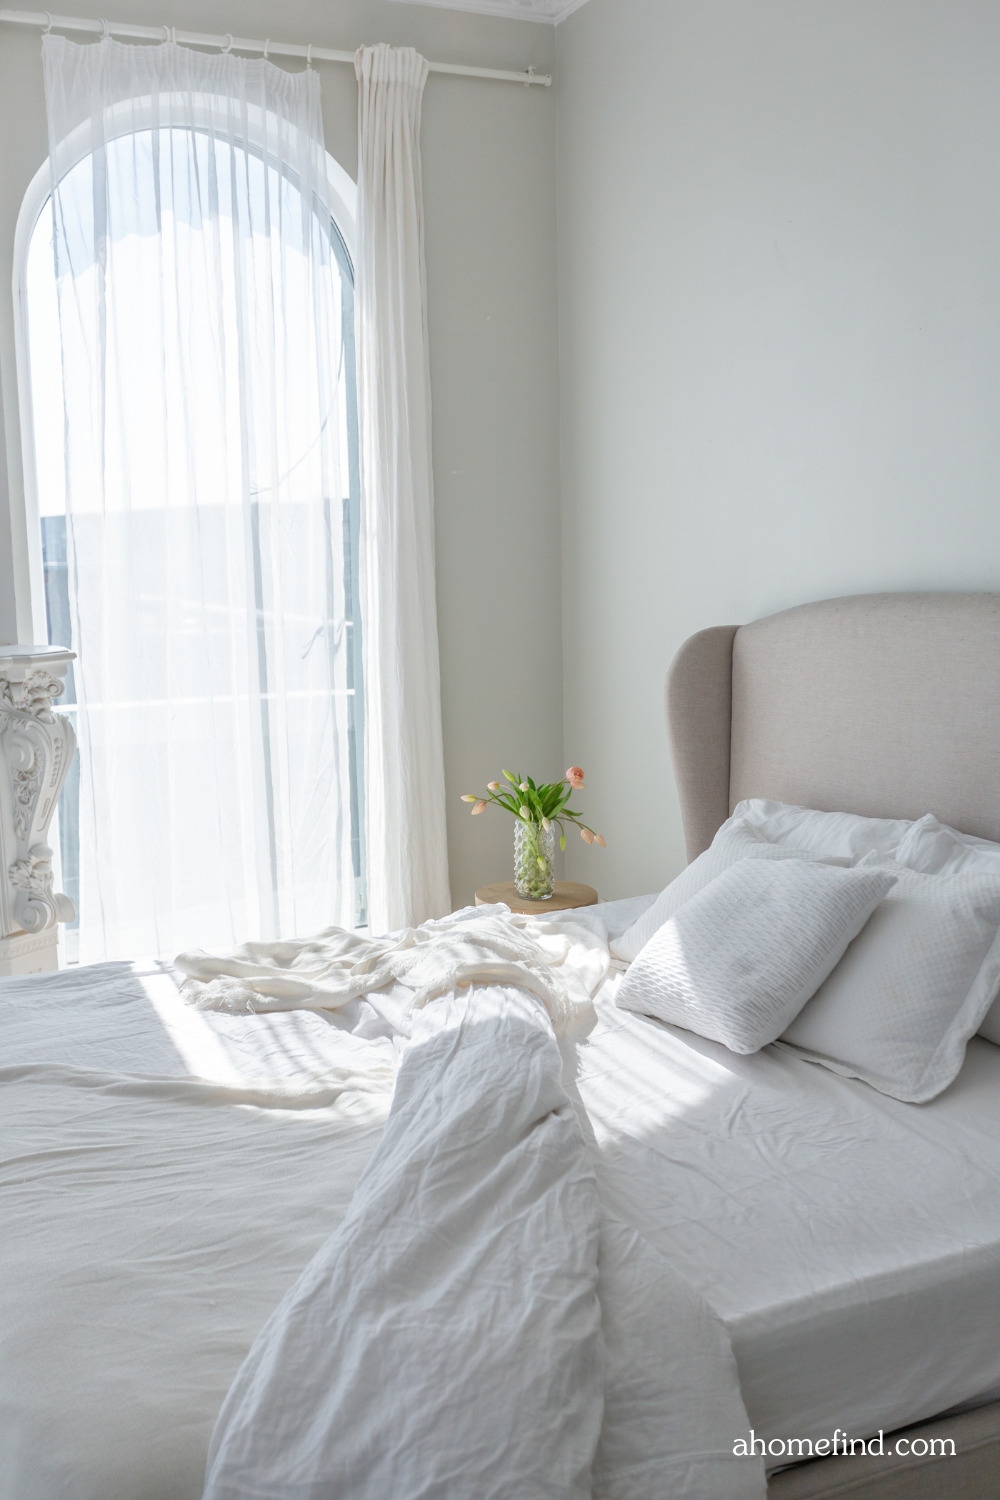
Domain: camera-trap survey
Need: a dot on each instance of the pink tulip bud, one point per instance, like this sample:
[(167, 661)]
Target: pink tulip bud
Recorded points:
[(468, 797), (493, 786), (586, 835), (479, 807), (599, 839)]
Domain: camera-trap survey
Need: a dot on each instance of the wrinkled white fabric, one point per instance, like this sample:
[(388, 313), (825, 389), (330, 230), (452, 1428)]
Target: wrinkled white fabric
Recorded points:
[(849, 1242), (562, 963), (122, 1345), (149, 1227), (446, 1341), (453, 1340)]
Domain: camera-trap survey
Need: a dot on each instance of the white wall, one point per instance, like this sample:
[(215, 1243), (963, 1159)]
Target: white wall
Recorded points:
[(488, 153), (779, 280)]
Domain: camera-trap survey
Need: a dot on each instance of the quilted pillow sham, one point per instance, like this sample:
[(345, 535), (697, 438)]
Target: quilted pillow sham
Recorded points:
[(912, 989), (742, 957), (735, 841)]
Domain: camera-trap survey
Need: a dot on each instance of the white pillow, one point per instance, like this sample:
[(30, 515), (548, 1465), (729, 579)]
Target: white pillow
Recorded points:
[(839, 833), (741, 958), (933, 848), (902, 1003), (735, 840)]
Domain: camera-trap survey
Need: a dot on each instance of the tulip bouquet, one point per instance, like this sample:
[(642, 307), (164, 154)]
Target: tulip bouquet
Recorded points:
[(537, 809)]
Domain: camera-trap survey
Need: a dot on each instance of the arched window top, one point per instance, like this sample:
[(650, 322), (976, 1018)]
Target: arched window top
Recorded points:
[(191, 466), (124, 121)]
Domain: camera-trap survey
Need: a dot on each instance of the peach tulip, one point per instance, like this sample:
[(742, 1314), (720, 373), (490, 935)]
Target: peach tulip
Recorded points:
[(575, 778), (468, 797), (599, 839), (587, 836), (493, 786), (479, 807)]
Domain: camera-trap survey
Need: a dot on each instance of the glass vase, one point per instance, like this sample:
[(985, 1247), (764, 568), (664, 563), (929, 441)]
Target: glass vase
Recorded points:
[(534, 853)]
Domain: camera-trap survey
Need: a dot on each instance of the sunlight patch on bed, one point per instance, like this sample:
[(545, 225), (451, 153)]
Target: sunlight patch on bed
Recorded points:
[(197, 1044)]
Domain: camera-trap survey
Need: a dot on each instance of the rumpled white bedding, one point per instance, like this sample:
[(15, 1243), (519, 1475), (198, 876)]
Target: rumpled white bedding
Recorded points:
[(460, 1337), (560, 959), (188, 1207), (148, 1228)]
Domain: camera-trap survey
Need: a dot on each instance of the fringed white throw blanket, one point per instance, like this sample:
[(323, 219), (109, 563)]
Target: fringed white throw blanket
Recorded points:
[(561, 962), (477, 1328)]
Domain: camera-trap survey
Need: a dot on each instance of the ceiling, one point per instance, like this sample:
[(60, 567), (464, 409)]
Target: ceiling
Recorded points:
[(550, 11)]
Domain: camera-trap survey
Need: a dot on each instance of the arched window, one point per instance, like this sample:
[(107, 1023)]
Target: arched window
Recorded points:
[(187, 376)]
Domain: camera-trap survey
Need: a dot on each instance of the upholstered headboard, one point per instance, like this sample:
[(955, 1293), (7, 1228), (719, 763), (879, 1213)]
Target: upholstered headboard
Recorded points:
[(881, 704)]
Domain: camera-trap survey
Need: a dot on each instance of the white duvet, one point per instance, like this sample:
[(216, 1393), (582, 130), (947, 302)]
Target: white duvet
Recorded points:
[(476, 1329), (454, 1315)]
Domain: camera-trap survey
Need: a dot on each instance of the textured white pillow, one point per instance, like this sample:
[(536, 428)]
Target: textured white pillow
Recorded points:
[(902, 1003), (734, 841), (932, 848), (839, 833), (741, 958)]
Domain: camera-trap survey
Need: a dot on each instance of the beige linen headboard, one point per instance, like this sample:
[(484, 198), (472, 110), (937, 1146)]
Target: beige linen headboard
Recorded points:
[(881, 704)]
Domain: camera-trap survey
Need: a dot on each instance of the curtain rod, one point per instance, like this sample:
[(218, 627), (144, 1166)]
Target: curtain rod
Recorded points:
[(230, 43)]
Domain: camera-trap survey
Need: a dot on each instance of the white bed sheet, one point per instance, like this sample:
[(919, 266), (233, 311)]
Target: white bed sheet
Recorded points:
[(153, 1220), (850, 1242)]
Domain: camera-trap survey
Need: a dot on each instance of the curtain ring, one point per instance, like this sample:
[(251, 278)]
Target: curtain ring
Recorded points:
[(229, 43), (309, 55), (266, 45), (166, 35), (48, 16), (107, 31)]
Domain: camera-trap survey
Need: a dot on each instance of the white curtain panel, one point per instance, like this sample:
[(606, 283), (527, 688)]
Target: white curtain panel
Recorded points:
[(198, 321), (404, 762)]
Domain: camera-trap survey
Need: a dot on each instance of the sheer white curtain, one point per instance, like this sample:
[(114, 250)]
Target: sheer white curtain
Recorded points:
[(404, 762), (203, 394)]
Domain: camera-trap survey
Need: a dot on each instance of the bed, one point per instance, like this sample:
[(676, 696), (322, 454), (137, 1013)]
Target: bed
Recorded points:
[(887, 705), (168, 1172)]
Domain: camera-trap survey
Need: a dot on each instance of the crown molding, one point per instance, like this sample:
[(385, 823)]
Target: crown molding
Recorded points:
[(551, 12)]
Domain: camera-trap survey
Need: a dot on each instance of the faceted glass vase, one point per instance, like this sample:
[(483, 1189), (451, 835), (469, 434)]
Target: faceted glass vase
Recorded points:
[(534, 853)]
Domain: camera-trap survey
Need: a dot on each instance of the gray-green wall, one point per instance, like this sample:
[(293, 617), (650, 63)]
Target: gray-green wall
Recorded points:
[(779, 282)]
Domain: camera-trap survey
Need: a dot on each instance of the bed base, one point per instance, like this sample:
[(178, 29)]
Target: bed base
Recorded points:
[(973, 1474)]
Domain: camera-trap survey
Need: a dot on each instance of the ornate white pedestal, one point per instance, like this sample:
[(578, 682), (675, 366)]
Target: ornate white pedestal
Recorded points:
[(36, 748)]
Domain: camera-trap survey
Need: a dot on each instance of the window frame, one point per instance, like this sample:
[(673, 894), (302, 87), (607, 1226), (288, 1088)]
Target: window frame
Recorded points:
[(129, 117), (126, 118)]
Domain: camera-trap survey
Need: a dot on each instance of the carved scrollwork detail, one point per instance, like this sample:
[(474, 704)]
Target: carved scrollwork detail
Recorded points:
[(36, 746), (34, 695), (41, 907)]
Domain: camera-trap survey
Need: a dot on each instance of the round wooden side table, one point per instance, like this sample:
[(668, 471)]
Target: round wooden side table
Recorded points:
[(568, 895)]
